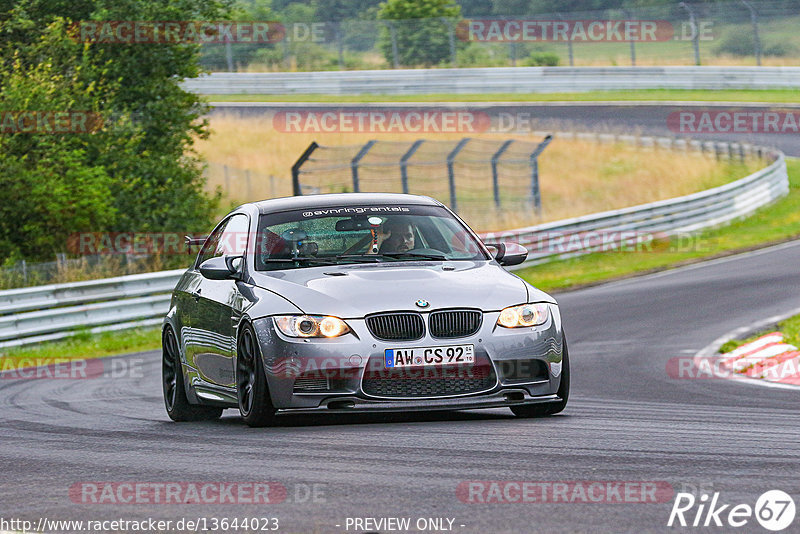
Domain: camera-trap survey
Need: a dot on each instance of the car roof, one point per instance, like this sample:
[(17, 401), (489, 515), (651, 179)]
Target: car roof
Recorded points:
[(341, 199)]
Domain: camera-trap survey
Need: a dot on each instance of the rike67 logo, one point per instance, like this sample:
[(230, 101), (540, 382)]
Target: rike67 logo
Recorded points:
[(774, 510)]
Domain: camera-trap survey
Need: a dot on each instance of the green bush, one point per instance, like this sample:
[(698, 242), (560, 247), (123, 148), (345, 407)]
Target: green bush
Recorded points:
[(542, 59), (742, 44)]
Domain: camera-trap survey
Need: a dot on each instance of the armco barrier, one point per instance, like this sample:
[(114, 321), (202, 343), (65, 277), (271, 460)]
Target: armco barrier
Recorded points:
[(43, 313), (493, 80)]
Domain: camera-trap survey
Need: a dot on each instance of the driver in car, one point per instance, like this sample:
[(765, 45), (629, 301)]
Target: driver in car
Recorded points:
[(397, 236)]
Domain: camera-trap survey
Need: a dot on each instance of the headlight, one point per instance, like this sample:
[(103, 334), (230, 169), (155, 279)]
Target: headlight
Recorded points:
[(524, 315), (311, 325)]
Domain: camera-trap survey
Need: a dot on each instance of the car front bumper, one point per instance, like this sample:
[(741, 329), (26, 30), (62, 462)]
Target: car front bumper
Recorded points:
[(345, 361)]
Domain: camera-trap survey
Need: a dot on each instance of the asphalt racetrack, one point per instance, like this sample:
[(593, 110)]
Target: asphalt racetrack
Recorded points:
[(628, 420)]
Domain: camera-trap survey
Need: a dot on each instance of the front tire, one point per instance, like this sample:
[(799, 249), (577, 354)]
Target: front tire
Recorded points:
[(540, 410), (175, 400), (255, 404)]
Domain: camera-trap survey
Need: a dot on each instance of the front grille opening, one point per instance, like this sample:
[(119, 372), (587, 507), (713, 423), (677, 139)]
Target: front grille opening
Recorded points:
[(455, 323), (396, 326), (415, 382), (524, 370)]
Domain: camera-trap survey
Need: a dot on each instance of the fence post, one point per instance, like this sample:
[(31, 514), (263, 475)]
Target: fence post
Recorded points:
[(286, 60), (569, 42), (629, 16), (756, 37), (404, 163), (393, 35), (512, 49), (296, 189), (695, 31), (340, 44), (229, 55), (535, 192), (249, 190), (451, 177), (451, 36), (356, 160), (495, 181)]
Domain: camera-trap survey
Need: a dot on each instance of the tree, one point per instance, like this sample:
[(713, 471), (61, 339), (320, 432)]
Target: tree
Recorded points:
[(421, 30), (138, 172)]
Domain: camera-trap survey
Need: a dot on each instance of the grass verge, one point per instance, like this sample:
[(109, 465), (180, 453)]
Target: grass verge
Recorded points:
[(81, 346), (791, 334), (779, 96), (773, 224)]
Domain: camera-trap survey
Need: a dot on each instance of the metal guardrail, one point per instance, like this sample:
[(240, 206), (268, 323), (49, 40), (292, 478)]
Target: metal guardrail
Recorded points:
[(626, 227), (43, 313), (493, 80)]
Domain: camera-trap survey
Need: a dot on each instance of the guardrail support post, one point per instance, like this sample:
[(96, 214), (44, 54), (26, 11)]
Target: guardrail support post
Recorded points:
[(535, 192), (495, 180), (404, 163), (356, 160), (451, 174), (296, 189)]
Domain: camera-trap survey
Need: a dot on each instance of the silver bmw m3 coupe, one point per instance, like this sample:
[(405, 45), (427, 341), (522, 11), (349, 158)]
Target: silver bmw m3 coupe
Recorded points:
[(357, 302)]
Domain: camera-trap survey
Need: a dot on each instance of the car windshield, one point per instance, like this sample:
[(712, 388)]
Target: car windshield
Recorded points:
[(362, 234)]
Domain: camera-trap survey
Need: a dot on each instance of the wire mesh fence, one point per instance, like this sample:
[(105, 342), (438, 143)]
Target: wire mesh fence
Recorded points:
[(681, 33), (470, 175)]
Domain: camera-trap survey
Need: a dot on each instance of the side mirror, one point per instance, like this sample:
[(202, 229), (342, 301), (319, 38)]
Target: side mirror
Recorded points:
[(222, 268), (509, 254)]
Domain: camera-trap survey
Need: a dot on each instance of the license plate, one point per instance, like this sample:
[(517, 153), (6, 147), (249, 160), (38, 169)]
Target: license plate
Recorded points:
[(429, 356)]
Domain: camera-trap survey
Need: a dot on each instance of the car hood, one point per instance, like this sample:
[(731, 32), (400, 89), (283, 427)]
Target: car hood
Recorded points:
[(351, 291)]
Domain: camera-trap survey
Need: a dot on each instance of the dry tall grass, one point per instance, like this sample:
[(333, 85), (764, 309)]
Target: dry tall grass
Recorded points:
[(577, 177)]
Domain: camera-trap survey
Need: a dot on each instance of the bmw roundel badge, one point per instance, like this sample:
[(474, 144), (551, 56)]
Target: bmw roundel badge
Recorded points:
[(422, 303)]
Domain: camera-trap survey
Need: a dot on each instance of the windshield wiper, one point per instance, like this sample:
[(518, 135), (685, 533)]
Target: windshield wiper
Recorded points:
[(420, 255), (372, 258), (302, 259)]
